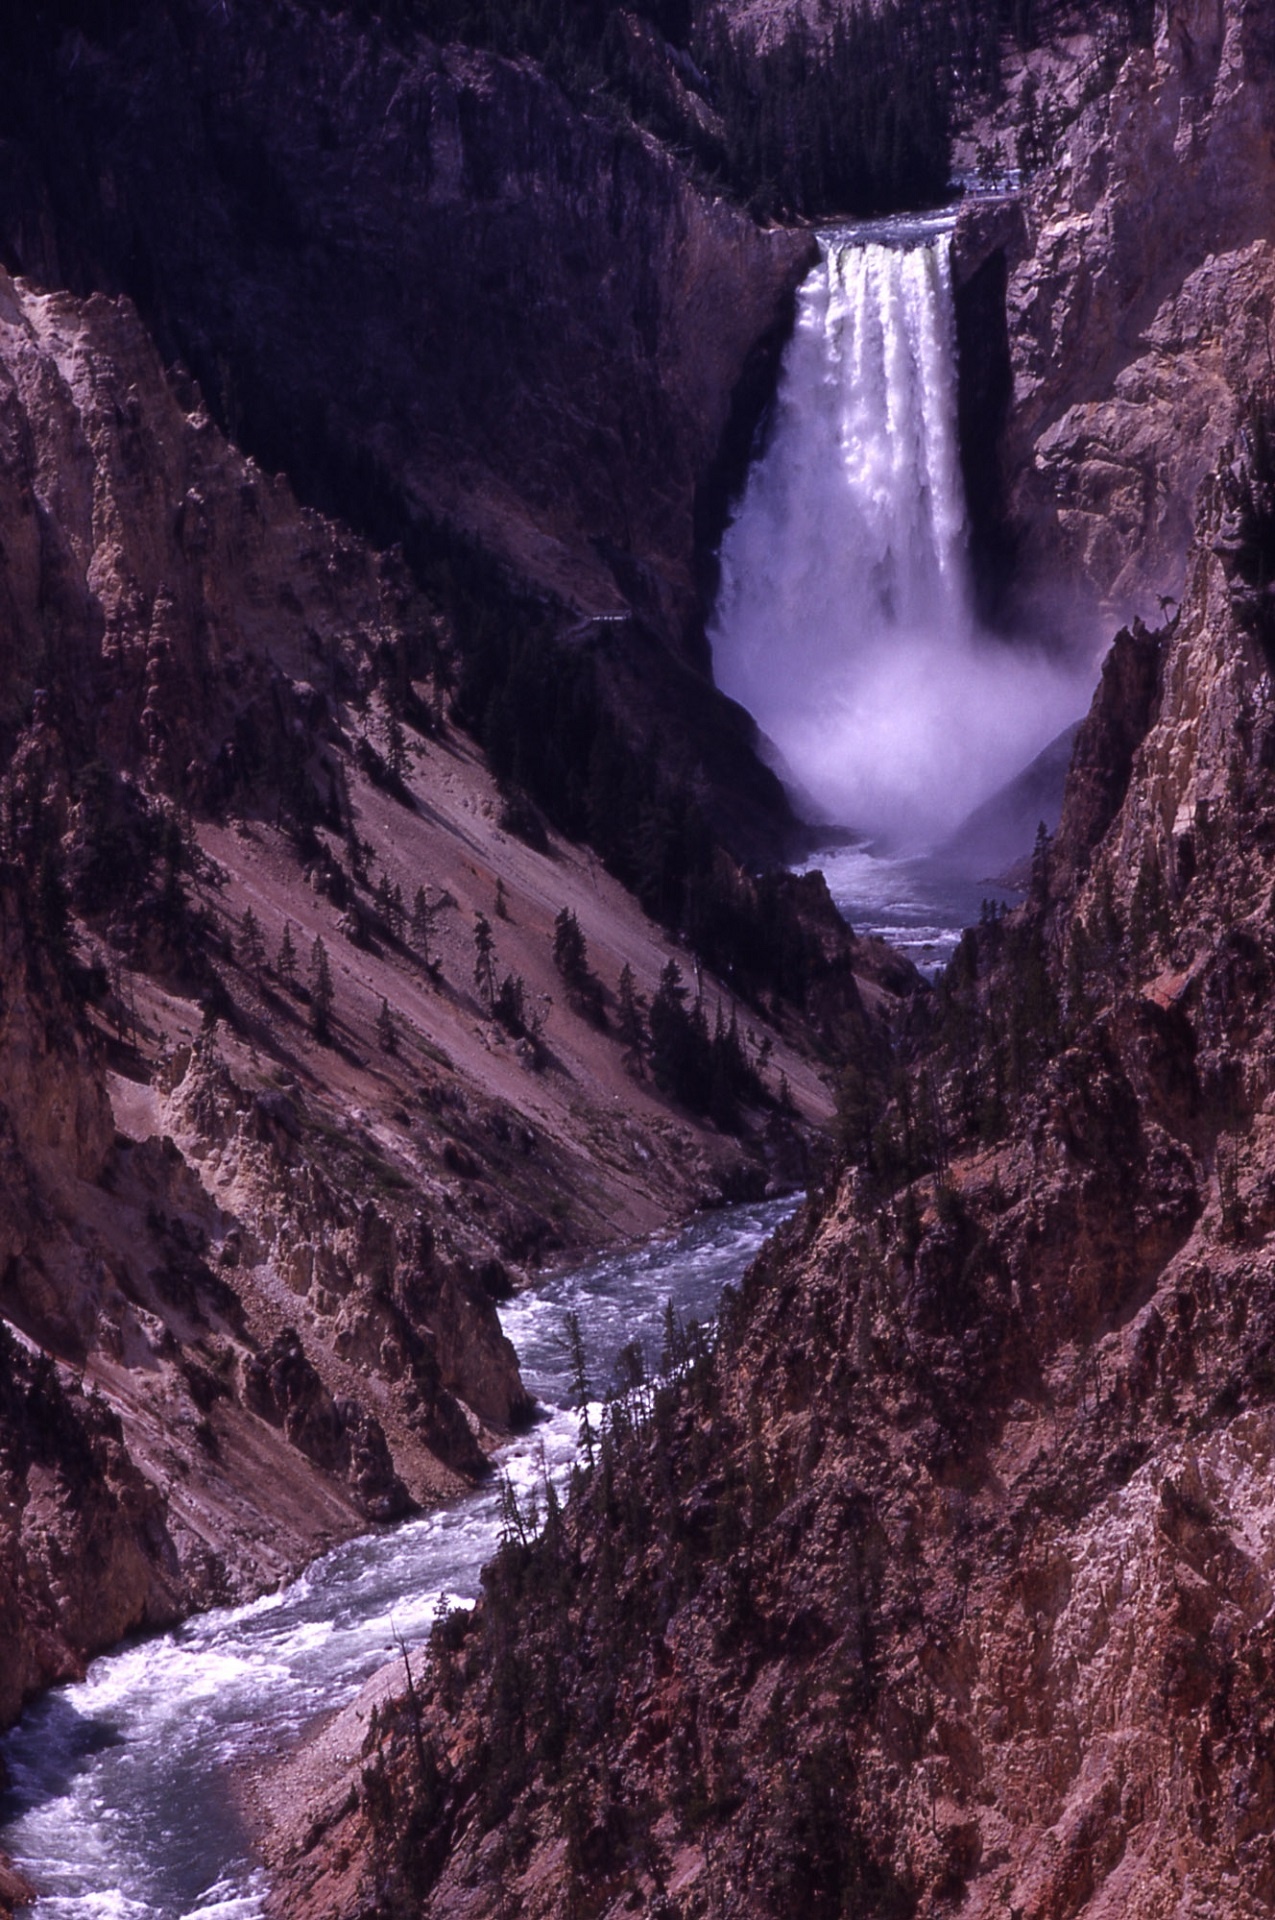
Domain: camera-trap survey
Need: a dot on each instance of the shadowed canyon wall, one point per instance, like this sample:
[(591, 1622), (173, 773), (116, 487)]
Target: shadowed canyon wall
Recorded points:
[(430, 288), (948, 1579)]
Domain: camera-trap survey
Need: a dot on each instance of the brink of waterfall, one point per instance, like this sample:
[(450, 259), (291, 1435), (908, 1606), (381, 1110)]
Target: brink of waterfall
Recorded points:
[(844, 621)]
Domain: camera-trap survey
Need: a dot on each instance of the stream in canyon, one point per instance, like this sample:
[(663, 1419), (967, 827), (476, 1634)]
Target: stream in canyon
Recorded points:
[(121, 1804), (845, 624), (845, 619)]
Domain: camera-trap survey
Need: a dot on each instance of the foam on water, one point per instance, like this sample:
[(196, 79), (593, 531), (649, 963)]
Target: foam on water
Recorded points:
[(119, 1804), (917, 903), (845, 619)]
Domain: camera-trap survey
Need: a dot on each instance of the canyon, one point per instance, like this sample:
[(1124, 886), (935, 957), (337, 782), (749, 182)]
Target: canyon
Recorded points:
[(372, 408), (274, 1255)]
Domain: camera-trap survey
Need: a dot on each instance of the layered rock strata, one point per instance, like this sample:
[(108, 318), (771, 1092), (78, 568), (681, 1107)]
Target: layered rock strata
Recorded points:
[(1139, 290), (251, 1243), (948, 1580)]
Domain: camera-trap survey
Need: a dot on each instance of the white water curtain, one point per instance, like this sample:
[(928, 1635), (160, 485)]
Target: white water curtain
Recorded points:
[(844, 620)]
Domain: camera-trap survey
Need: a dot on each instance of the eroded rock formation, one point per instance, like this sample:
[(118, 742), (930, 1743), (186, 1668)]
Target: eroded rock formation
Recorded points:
[(273, 1250), (1139, 290), (949, 1578), (431, 289)]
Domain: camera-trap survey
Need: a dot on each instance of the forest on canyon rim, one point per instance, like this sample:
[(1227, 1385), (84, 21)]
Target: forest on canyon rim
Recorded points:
[(392, 911)]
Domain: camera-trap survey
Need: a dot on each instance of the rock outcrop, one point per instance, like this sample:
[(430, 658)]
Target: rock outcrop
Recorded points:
[(1139, 294), (433, 290), (252, 1241), (948, 1580)]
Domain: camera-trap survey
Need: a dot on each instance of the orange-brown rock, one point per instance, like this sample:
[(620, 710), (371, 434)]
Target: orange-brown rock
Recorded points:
[(947, 1581), (273, 1252), (1140, 288)]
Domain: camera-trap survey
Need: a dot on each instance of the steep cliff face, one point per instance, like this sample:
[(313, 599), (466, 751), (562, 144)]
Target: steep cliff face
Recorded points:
[(1140, 292), (948, 1579), (424, 284), (267, 1229), (85, 1555)]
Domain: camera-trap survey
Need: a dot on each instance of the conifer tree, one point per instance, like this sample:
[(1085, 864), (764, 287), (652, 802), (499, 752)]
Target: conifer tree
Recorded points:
[(322, 993), (286, 962), (484, 961), (580, 1384), (422, 927), (570, 949), (632, 1026), (395, 747), (251, 945), (386, 1029)]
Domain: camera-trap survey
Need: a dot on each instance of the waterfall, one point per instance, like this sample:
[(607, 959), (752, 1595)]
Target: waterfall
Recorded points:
[(844, 621)]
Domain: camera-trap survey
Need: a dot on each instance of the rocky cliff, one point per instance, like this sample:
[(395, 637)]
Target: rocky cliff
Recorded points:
[(1139, 288), (948, 1579), (255, 1226), (433, 290)]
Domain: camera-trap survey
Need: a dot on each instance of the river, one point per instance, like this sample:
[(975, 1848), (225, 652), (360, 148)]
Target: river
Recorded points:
[(120, 1805)]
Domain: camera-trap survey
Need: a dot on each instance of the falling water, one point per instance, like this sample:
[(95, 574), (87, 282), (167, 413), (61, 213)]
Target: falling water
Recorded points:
[(845, 621)]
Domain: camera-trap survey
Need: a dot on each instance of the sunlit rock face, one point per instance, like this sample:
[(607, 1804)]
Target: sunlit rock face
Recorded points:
[(1140, 299), (958, 1566)]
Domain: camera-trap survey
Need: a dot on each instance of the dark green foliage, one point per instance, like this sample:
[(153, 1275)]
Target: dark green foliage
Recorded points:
[(857, 123), (822, 1866), (570, 949), (485, 961), (537, 710), (707, 1072), (286, 962), (250, 946), (322, 992), (509, 1004), (679, 1042), (424, 915), (389, 906), (43, 1423), (571, 958), (631, 1021)]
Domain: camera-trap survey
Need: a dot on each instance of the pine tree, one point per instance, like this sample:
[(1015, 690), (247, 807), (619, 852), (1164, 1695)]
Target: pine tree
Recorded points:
[(286, 963), (322, 993), (570, 949), (580, 1384), (632, 1026), (386, 1030), (395, 747), (502, 904), (484, 961), (1040, 865), (251, 946), (423, 918)]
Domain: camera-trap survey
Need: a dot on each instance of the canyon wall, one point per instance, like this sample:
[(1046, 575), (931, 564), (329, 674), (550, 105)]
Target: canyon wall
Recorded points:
[(1139, 292), (948, 1580), (251, 1246), (446, 300)]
